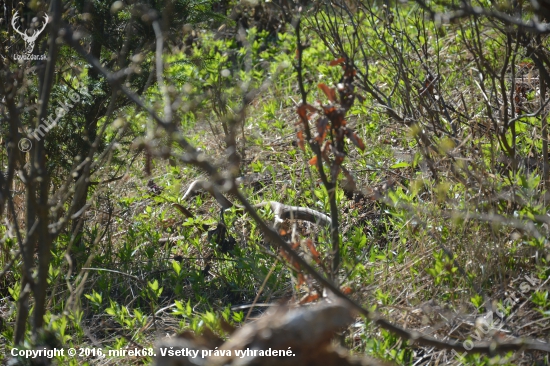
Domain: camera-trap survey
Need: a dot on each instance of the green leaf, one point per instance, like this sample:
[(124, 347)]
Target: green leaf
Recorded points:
[(402, 164), (176, 266), (154, 285), (238, 317), (188, 308)]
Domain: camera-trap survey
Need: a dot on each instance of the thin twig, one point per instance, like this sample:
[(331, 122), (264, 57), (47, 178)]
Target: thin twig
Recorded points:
[(261, 289)]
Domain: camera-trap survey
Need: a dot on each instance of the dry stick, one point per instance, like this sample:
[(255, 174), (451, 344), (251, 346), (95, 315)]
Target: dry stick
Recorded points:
[(330, 186), (44, 240), (114, 271), (160, 70), (280, 210), (261, 289), (198, 160)]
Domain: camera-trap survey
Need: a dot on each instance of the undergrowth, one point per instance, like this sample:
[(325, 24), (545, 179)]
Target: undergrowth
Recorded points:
[(429, 252)]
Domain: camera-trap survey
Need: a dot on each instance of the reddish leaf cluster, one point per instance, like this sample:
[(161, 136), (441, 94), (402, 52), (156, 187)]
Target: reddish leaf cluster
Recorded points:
[(330, 123), (520, 96)]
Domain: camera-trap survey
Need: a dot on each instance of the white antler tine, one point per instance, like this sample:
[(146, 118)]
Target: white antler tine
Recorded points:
[(13, 23), (46, 18)]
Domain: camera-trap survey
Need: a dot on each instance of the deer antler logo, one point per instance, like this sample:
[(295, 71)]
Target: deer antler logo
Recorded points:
[(29, 40)]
